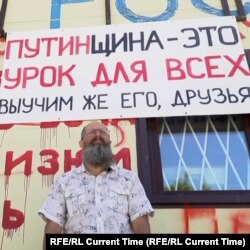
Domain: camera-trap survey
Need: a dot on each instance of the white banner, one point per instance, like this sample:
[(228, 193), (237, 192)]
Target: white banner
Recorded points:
[(157, 69)]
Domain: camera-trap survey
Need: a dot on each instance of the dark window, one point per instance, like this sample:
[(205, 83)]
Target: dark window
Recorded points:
[(199, 160)]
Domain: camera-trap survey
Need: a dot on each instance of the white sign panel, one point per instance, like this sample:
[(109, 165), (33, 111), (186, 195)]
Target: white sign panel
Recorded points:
[(158, 69)]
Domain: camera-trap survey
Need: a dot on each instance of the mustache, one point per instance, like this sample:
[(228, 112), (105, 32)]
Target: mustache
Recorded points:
[(92, 142)]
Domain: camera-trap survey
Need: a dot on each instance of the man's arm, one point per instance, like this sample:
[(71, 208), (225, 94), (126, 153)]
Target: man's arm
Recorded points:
[(141, 225), (51, 228)]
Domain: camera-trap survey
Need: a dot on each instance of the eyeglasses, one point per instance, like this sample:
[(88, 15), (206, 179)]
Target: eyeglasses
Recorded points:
[(93, 132)]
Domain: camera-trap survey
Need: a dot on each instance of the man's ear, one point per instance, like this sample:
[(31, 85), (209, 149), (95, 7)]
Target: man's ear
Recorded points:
[(81, 144)]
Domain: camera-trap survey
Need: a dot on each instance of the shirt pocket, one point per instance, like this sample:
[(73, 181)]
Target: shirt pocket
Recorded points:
[(76, 203), (118, 200)]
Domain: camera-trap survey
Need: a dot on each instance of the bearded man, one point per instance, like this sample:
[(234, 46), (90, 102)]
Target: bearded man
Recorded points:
[(98, 196)]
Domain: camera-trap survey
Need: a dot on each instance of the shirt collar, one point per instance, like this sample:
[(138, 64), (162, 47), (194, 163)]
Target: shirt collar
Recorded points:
[(83, 169)]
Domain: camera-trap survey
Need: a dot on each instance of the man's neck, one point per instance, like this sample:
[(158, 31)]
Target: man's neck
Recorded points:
[(95, 170)]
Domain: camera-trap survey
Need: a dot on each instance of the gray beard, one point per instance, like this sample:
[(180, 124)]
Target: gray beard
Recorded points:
[(98, 155)]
